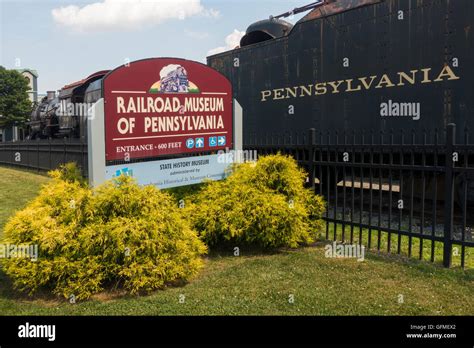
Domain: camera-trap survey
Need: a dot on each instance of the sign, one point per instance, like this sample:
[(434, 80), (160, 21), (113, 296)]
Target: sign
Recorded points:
[(175, 172), (166, 106), (163, 107)]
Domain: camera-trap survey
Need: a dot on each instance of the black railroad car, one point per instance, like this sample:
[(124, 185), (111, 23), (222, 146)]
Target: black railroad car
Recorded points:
[(357, 65)]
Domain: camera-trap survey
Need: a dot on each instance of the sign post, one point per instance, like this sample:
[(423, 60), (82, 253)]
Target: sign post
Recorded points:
[(96, 144)]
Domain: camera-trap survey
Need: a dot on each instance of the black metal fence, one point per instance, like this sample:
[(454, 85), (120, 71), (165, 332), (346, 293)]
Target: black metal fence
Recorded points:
[(44, 155), (413, 197)]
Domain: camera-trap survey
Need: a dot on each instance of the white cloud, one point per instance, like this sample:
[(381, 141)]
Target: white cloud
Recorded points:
[(127, 14), (231, 41)]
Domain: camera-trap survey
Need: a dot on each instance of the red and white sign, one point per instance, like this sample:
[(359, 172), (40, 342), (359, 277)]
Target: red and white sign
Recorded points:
[(165, 106)]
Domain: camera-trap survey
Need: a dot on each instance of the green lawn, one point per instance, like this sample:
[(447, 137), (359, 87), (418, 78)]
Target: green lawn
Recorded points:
[(262, 283), (16, 189)]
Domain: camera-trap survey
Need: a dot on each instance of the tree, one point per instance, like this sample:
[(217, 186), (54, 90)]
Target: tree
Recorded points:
[(15, 106)]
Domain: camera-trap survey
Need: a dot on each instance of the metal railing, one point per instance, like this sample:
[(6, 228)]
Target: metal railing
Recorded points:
[(378, 188), (44, 155), (381, 189)]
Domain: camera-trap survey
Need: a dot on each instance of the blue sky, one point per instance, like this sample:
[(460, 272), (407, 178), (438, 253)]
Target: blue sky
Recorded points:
[(65, 44)]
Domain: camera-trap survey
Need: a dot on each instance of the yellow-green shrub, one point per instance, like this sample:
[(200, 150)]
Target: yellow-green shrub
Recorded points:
[(265, 204), (142, 230), (120, 234), (277, 173)]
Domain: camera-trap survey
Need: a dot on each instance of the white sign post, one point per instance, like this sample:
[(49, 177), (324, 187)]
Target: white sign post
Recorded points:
[(96, 144)]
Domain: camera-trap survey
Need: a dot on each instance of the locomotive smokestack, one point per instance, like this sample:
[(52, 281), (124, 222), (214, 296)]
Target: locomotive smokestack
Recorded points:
[(51, 95)]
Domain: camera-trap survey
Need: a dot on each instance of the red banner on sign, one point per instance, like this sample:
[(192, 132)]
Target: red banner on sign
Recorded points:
[(166, 106)]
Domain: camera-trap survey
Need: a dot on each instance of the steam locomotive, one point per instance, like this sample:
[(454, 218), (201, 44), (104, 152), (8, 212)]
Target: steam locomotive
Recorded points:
[(65, 114)]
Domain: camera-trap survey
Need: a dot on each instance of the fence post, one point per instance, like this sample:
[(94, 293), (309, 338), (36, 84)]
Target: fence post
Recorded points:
[(449, 195), (64, 151), (83, 157), (38, 155), (50, 167), (311, 145)]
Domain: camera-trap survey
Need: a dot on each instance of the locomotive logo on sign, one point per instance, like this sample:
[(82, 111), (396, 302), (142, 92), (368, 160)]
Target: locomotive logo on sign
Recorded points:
[(174, 79), (159, 107)]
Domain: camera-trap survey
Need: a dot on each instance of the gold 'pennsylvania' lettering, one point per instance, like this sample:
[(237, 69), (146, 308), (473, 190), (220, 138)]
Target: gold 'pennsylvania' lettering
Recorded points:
[(399, 79)]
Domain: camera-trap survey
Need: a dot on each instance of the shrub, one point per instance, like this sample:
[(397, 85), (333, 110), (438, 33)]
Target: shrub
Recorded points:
[(264, 204), (278, 173), (142, 230), (69, 172), (120, 234)]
